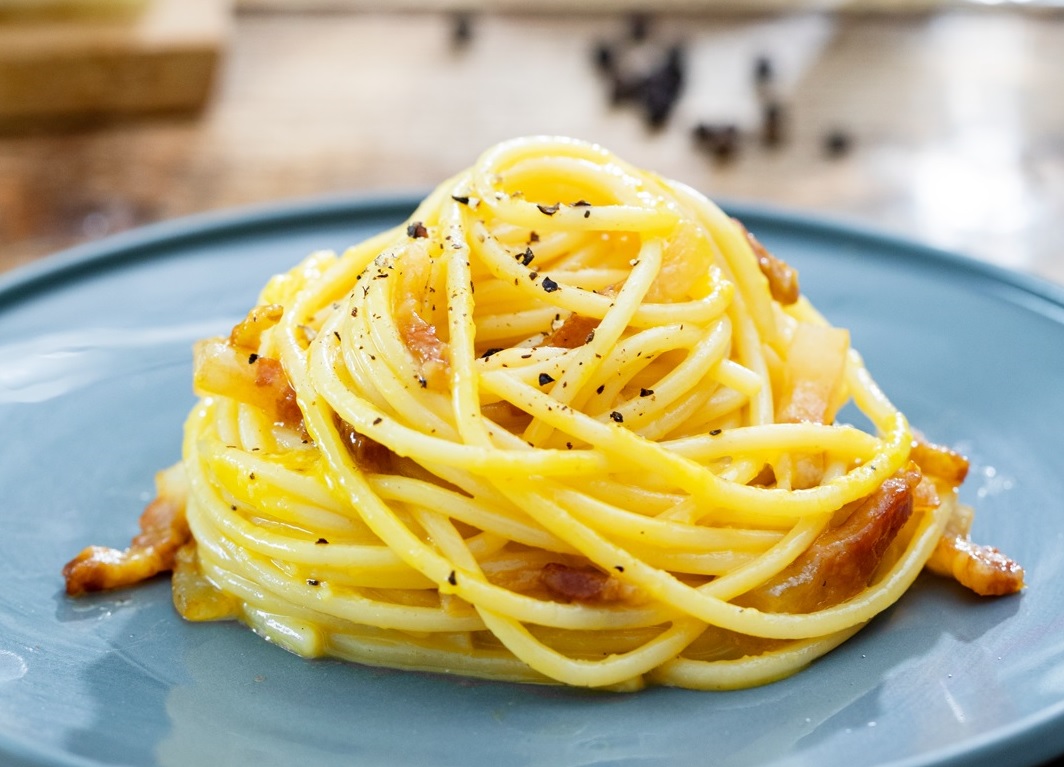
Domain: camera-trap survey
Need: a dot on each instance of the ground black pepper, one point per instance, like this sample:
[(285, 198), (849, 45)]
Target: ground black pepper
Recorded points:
[(718, 139), (837, 143)]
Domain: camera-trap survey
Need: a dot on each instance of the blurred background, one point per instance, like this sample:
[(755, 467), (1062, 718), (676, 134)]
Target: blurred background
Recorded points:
[(940, 121)]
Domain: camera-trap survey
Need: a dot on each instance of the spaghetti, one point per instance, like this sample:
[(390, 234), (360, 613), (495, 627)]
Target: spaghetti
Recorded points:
[(568, 423)]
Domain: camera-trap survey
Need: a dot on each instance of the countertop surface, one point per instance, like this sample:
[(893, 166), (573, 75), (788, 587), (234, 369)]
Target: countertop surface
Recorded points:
[(946, 127)]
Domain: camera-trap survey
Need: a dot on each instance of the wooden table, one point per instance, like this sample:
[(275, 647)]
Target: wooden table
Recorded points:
[(955, 122)]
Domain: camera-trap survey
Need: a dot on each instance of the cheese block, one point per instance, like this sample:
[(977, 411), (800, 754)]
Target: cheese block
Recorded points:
[(83, 61)]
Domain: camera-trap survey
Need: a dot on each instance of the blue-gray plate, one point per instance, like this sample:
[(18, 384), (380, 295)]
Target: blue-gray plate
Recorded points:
[(94, 386)]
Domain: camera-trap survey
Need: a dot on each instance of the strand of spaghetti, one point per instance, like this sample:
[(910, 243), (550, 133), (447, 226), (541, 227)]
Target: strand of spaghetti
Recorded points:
[(611, 670), (749, 671), (464, 380), (238, 557), (621, 523), (470, 511), (573, 387), (630, 449), (703, 358), (403, 440), (665, 588), (505, 267), (737, 253), (767, 439), (749, 354), (422, 558)]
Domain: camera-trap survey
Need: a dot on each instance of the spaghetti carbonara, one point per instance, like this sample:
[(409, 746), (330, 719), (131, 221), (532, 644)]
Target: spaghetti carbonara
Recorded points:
[(568, 423)]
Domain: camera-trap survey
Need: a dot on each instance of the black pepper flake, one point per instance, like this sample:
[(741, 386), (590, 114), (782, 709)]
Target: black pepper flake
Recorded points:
[(549, 210), (533, 236), (773, 123), (837, 143), (587, 214), (313, 582), (491, 351), (251, 476), (581, 204), (321, 542), (452, 578), (721, 140), (526, 257), (645, 392), (715, 432), (617, 416), (763, 70), (377, 421), (354, 312), (422, 382), (639, 27), (601, 389), (416, 230), (656, 91), (337, 334), (605, 58), (619, 568), (233, 507), (549, 285), (461, 30), (545, 378), (569, 445), (461, 200), (252, 357)]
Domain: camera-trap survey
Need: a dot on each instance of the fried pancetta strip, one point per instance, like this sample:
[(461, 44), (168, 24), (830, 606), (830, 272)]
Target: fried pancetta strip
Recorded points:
[(938, 461), (582, 584), (431, 353), (368, 454), (782, 277), (164, 530), (842, 559), (247, 334), (573, 332), (220, 368), (983, 569), (815, 371)]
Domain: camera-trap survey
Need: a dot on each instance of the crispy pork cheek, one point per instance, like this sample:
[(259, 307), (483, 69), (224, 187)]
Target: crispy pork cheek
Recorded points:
[(841, 560)]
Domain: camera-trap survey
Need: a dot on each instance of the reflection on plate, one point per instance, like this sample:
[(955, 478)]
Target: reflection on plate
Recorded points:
[(94, 386)]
